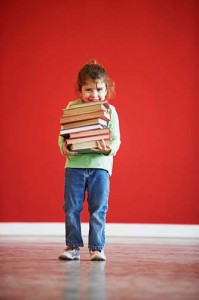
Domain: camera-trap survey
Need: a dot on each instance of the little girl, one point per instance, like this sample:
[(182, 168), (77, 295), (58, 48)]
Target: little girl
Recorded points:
[(89, 172)]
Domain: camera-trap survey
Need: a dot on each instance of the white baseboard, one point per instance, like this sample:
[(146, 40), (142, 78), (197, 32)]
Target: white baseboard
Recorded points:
[(112, 229)]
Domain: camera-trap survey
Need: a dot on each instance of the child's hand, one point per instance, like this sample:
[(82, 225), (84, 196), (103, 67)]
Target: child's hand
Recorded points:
[(66, 151), (102, 147)]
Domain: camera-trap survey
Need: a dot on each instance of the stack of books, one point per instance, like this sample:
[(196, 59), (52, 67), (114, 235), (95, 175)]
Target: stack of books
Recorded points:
[(82, 125)]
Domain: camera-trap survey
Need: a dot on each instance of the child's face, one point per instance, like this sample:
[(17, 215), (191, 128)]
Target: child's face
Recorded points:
[(93, 90)]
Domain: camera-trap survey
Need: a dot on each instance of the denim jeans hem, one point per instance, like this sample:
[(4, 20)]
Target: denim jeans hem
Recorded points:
[(74, 246), (95, 248)]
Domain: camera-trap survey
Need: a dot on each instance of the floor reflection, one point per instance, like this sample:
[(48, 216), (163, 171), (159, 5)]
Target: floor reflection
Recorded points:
[(134, 270), (84, 280), (96, 277)]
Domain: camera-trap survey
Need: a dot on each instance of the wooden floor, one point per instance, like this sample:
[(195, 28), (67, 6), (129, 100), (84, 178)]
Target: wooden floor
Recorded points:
[(135, 269)]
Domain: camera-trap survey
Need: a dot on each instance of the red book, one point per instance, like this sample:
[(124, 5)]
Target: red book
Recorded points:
[(88, 139), (67, 132), (87, 133), (84, 108), (97, 114), (87, 146)]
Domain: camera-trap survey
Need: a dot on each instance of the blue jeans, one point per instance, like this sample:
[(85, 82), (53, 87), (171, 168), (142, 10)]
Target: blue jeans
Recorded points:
[(96, 182)]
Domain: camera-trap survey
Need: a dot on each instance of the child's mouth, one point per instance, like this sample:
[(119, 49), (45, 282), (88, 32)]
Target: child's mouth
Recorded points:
[(93, 100)]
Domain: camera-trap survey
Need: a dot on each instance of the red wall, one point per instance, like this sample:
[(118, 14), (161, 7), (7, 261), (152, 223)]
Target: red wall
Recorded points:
[(150, 49)]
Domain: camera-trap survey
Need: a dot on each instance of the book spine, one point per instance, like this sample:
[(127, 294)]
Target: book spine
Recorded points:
[(88, 145), (84, 117), (81, 130), (83, 110), (88, 139), (92, 122), (105, 103), (87, 133)]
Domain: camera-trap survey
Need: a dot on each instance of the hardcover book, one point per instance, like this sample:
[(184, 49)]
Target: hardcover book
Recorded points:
[(88, 138), (70, 111), (105, 103), (87, 133), (87, 116), (83, 129), (86, 147)]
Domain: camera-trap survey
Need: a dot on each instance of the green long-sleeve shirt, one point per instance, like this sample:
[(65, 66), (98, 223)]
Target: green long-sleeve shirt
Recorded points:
[(96, 160)]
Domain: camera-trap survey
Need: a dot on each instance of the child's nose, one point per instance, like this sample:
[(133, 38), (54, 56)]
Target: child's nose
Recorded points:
[(95, 93)]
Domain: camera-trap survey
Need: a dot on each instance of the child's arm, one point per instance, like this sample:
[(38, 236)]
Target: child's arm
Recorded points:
[(115, 132), (102, 148), (115, 136), (63, 147)]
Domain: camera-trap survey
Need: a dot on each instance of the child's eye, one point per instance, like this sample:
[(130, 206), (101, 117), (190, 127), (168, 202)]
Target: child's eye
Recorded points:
[(99, 89)]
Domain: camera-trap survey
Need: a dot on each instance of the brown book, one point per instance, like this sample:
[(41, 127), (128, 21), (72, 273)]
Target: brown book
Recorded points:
[(86, 147), (87, 116), (88, 139), (67, 132), (105, 103), (87, 133), (70, 111), (81, 124)]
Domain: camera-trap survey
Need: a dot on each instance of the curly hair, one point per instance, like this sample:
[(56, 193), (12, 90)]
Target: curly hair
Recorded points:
[(92, 70)]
